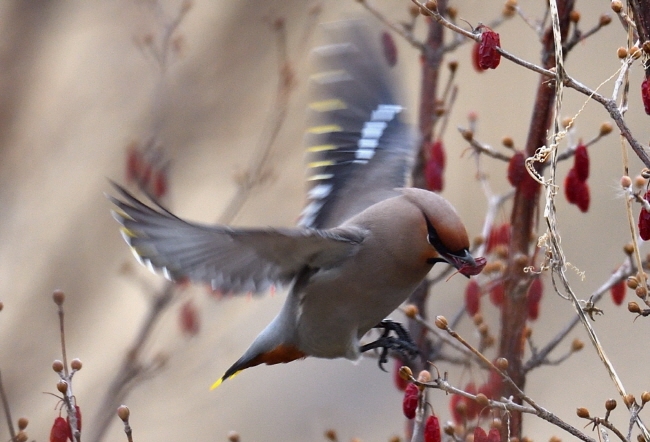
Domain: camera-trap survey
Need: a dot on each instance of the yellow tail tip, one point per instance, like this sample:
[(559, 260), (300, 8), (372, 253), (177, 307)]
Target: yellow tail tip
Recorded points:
[(220, 380)]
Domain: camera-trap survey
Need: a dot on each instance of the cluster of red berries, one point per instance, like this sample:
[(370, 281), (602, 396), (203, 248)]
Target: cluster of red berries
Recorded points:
[(498, 242), (409, 407), (576, 188)]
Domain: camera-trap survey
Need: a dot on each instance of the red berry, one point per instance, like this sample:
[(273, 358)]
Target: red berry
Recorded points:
[(479, 435), (410, 401), (133, 164), (644, 221), (499, 235), (571, 181), (189, 319), (433, 176), (583, 197), (472, 297), (581, 162), (488, 55), (456, 413), (390, 49), (517, 169), (618, 292), (475, 269), (576, 191), (475, 57), (497, 293), (437, 153), (400, 383), (432, 429), (494, 435), (160, 183), (645, 95), (473, 407), (60, 430)]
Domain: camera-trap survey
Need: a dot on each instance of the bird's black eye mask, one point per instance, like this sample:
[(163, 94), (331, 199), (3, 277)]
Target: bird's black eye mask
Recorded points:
[(436, 243)]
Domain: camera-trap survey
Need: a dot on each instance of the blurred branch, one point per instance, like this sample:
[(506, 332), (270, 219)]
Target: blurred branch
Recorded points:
[(133, 369)]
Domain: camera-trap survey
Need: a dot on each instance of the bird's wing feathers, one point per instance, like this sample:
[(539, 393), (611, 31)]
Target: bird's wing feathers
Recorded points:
[(358, 148), (230, 259)]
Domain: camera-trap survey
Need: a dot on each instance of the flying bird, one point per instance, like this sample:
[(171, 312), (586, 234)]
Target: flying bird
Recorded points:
[(364, 242)]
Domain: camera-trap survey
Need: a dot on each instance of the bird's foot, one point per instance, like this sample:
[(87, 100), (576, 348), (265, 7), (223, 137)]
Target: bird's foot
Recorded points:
[(402, 343)]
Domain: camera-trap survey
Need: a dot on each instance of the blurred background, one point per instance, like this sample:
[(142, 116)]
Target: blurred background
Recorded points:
[(78, 85)]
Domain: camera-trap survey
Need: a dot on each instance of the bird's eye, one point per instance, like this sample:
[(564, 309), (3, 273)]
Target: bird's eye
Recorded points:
[(432, 236)]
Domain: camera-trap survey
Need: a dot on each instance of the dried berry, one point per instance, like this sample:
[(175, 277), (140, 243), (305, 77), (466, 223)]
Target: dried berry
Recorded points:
[(499, 235), (473, 408), (400, 382), (458, 406), (437, 153), (159, 185), (432, 429), (493, 435), (475, 269), (488, 55), (472, 297), (480, 435), (433, 175), (410, 401), (576, 191), (133, 163), (189, 318), (390, 49), (644, 221), (497, 293), (517, 169), (60, 430), (581, 162), (645, 95), (475, 58), (583, 197), (618, 292)]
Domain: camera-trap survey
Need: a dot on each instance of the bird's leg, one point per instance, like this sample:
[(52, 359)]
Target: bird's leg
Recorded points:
[(402, 343)]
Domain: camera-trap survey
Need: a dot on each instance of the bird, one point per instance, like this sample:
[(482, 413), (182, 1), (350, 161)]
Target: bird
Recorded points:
[(364, 241)]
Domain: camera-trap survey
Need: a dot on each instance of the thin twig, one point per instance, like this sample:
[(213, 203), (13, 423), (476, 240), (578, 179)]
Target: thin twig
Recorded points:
[(485, 149), (5, 405), (62, 334), (570, 82), (407, 35), (539, 411), (254, 174), (625, 270)]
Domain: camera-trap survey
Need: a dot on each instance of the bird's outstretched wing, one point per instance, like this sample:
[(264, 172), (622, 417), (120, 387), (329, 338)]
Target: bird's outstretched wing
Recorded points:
[(230, 259), (358, 148)]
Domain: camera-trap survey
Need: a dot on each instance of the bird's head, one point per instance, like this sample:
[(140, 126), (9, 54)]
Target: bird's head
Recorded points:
[(445, 232)]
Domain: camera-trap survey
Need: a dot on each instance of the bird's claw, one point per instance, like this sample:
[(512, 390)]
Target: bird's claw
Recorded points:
[(402, 343)]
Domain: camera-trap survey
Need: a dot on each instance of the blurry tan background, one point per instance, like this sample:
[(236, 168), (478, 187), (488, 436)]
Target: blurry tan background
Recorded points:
[(75, 90)]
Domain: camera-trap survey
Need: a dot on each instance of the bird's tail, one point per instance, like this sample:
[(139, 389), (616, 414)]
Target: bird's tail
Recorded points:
[(282, 353)]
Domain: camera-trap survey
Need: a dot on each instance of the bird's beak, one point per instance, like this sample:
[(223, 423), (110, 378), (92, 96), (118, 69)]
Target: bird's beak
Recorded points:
[(466, 263)]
